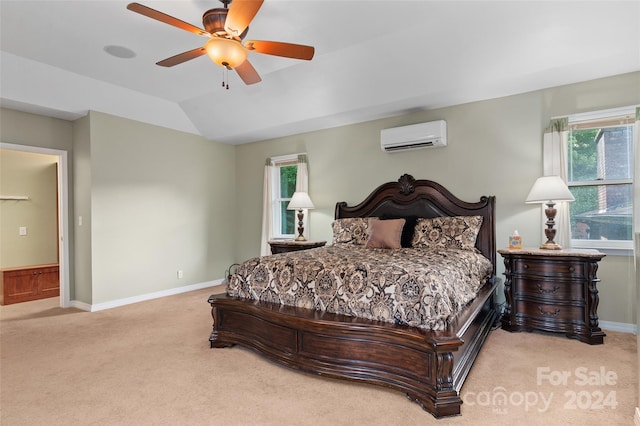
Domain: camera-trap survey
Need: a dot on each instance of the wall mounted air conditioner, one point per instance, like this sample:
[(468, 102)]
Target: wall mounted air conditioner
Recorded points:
[(423, 135)]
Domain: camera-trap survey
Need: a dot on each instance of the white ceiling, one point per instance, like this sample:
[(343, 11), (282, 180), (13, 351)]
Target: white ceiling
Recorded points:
[(373, 59)]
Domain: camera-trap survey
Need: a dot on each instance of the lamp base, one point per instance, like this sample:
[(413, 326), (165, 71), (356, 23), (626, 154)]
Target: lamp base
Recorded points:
[(300, 237), (550, 246), (550, 233)]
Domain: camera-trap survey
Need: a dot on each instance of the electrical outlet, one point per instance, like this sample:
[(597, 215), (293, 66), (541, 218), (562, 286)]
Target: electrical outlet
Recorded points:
[(180, 274), (22, 231)]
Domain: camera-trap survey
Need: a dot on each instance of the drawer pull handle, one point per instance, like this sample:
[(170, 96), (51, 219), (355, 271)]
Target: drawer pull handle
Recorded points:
[(525, 266), (548, 290), (572, 269), (549, 313)]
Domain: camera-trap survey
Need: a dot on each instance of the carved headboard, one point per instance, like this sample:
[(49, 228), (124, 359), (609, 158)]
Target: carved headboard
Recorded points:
[(425, 198)]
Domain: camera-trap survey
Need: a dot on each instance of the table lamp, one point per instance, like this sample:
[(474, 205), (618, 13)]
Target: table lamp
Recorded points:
[(300, 200), (549, 190)]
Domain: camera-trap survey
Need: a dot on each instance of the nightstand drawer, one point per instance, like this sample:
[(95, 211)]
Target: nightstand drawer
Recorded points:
[(549, 311), (551, 289), (549, 268)]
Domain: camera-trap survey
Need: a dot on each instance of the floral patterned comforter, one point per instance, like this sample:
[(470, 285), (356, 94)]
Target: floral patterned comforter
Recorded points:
[(421, 287)]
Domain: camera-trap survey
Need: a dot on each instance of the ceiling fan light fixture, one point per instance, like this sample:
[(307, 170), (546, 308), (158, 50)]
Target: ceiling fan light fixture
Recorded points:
[(225, 29), (226, 52)]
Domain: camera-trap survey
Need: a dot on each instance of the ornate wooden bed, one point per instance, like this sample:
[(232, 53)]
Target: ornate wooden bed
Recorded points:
[(429, 366)]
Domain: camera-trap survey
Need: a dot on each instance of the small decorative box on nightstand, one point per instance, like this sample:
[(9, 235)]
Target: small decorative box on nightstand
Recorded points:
[(284, 246), (552, 290)]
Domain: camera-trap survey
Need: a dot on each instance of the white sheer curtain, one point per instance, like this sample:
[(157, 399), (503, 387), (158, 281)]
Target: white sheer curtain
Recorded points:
[(267, 199), (636, 192), (302, 184), (555, 152), (636, 211), (302, 178)]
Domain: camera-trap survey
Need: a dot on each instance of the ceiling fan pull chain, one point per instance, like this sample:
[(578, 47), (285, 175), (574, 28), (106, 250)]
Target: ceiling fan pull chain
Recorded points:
[(225, 77)]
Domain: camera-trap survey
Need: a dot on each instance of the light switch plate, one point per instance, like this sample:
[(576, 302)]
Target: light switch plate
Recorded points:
[(23, 230)]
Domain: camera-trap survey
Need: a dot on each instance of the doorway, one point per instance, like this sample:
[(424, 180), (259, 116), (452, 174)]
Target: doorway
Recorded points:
[(62, 213)]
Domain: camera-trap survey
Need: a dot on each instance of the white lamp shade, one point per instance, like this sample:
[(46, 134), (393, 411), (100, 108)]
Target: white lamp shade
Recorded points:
[(300, 200), (549, 188)]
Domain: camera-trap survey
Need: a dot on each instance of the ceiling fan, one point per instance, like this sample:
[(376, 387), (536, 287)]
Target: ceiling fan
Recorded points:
[(226, 28)]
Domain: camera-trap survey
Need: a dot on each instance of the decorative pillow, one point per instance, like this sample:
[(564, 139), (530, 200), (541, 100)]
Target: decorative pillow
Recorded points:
[(351, 230), (385, 233), (408, 230), (447, 232)]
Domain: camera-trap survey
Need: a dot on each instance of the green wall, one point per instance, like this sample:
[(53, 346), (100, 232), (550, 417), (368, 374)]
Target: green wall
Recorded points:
[(494, 148), (152, 200), (32, 130), (35, 130), (82, 255), (34, 176), (155, 200)]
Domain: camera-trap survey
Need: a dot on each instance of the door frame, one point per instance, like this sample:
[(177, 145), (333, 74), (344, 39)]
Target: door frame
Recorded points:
[(63, 212)]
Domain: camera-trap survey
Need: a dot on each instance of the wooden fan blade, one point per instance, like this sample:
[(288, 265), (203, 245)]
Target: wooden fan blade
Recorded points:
[(182, 57), (240, 15), (277, 48), (167, 19), (248, 73)]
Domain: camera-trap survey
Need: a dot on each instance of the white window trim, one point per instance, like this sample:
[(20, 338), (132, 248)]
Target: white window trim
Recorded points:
[(629, 111), (277, 162), (610, 247)]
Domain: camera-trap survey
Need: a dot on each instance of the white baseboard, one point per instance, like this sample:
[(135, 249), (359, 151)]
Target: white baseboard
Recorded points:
[(141, 298), (618, 326), (605, 325), (80, 305), (636, 417)]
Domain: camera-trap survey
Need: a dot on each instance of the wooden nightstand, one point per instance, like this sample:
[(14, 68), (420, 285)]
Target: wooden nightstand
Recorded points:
[(284, 246), (552, 290)]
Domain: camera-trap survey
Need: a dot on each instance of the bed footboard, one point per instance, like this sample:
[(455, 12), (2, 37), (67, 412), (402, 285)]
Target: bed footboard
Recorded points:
[(430, 367)]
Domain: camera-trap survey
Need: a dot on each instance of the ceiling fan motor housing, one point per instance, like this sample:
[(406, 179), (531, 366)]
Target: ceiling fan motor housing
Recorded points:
[(213, 21)]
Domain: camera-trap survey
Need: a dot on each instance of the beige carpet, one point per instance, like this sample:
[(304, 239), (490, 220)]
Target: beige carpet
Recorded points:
[(150, 364)]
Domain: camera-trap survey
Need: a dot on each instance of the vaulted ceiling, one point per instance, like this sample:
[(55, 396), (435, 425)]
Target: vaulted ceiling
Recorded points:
[(373, 59)]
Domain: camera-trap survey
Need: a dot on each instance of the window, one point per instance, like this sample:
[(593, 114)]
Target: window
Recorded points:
[(283, 180), (600, 177)]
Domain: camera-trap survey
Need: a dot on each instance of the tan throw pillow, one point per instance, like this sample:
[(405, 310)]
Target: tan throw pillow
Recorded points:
[(385, 233)]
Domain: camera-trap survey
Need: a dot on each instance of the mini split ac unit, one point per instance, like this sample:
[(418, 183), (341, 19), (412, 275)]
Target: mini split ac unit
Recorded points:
[(424, 135)]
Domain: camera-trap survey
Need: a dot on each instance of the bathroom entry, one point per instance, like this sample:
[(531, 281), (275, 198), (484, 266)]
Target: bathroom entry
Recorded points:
[(29, 249)]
